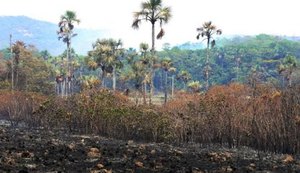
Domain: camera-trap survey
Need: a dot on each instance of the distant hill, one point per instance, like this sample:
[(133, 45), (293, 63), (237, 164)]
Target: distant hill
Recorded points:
[(191, 46), (43, 35), (226, 39)]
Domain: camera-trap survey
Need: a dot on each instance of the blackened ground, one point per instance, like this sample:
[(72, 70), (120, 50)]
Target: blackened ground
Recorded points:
[(39, 150)]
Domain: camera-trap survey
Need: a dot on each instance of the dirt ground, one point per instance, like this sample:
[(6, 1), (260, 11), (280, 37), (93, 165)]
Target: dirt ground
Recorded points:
[(39, 150)]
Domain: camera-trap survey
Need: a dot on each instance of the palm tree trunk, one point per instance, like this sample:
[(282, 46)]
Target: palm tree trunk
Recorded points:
[(136, 96), (103, 78), (207, 64), (68, 68), (114, 78), (166, 87), (144, 93), (12, 63), (152, 63), (172, 86), (63, 87), (153, 40), (17, 76), (290, 79)]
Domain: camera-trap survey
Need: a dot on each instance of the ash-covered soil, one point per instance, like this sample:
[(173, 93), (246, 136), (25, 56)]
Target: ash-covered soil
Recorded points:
[(39, 150)]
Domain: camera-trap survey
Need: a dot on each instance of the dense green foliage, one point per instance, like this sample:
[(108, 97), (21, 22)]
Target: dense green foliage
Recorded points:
[(236, 59), (233, 60)]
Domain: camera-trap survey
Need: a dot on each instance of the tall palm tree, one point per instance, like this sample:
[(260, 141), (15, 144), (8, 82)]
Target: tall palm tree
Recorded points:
[(20, 52), (207, 31), (152, 11), (137, 73), (146, 61), (66, 33)]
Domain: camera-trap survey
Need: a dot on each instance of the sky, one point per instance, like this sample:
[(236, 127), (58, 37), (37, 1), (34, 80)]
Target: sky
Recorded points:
[(234, 17)]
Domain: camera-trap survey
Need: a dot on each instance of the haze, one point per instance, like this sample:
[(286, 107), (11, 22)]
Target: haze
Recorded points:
[(234, 17)]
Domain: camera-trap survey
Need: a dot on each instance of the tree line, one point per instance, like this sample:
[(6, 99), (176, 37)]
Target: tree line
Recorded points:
[(109, 65)]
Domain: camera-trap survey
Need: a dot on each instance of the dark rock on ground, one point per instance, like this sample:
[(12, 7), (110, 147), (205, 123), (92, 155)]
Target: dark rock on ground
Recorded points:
[(37, 150)]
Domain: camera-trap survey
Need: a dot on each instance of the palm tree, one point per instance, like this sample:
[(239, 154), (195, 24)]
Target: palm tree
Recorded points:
[(287, 68), (146, 61), (107, 54), (207, 31), (20, 52), (166, 65), (66, 26), (185, 76), (137, 73), (152, 11), (194, 86)]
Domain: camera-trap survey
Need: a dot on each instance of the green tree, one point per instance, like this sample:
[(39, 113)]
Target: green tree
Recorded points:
[(31, 72), (287, 68), (66, 33), (194, 86), (207, 31), (107, 53), (152, 11), (137, 73), (184, 76)]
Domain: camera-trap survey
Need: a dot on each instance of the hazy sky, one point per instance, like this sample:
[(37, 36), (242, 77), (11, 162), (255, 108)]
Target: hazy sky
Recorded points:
[(280, 17)]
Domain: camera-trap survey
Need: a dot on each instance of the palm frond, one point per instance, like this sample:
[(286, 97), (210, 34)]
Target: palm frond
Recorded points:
[(166, 14), (200, 29), (207, 24), (60, 23), (135, 24)]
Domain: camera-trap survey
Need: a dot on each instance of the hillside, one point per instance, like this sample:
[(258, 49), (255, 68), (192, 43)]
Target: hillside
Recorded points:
[(43, 34)]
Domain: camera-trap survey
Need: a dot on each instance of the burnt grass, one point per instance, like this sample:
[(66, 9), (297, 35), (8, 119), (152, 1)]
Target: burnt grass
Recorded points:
[(24, 149)]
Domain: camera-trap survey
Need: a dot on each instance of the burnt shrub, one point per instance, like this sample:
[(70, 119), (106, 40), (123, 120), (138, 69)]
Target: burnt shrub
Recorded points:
[(106, 113), (19, 106)]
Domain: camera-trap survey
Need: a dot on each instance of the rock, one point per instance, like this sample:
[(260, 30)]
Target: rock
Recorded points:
[(178, 152), (94, 152), (227, 169), (9, 161), (252, 165), (197, 170), (227, 155), (27, 154), (101, 171), (288, 159), (139, 164), (142, 147), (71, 146), (100, 166), (130, 142), (31, 166)]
